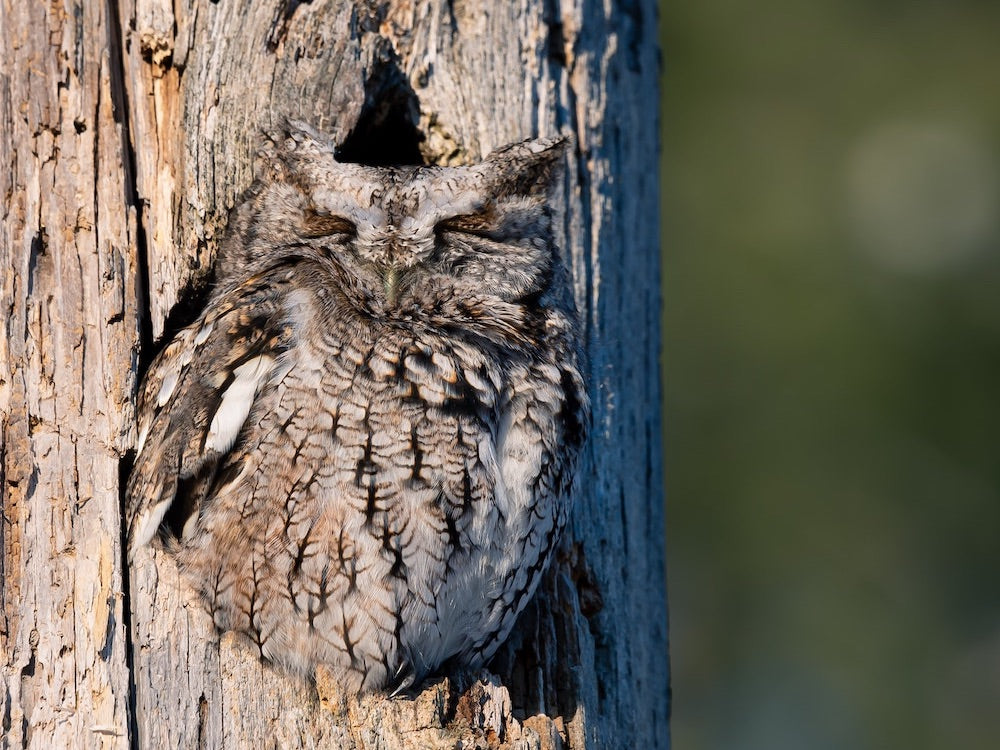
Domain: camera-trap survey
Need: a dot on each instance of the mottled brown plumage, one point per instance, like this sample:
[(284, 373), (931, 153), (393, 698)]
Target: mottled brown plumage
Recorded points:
[(361, 453)]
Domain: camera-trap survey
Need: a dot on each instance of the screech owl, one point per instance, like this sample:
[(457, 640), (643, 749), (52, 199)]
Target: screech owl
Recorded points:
[(361, 453)]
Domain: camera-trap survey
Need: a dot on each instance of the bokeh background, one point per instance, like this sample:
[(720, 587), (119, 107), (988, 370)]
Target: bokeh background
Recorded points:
[(831, 255)]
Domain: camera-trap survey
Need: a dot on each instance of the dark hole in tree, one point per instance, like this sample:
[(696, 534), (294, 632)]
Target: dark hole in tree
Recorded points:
[(387, 132)]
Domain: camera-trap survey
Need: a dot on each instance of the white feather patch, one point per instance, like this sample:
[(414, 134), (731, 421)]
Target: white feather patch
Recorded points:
[(236, 403), (203, 334), (167, 388), (142, 439), (149, 522)]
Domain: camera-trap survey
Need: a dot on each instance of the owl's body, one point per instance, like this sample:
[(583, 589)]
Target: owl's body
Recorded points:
[(365, 444)]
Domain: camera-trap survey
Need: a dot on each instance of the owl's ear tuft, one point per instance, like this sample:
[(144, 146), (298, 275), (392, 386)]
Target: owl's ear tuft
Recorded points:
[(292, 143), (529, 167)]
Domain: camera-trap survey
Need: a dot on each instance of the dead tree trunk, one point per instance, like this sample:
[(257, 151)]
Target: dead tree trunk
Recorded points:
[(128, 132)]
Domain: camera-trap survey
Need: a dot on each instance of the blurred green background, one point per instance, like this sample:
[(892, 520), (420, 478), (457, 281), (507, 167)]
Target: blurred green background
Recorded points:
[(831, 177)]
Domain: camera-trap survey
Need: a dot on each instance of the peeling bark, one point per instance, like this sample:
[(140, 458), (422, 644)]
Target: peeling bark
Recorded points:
[(128, 132)]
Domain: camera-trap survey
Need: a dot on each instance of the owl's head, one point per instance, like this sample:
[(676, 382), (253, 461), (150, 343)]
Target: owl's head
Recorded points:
[(405, 234)]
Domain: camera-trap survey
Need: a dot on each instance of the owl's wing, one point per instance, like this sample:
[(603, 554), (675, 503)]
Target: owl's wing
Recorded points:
[(196, 398)]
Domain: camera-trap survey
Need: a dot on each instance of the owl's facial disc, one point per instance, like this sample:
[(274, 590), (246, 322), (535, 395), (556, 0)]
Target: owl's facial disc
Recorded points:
[(395, 227), (482, 219)]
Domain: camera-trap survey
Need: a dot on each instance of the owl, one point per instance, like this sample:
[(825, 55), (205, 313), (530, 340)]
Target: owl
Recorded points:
[(362, 453)]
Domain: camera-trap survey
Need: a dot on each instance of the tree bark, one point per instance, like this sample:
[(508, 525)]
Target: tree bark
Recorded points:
[(67, 379), (129, 130)]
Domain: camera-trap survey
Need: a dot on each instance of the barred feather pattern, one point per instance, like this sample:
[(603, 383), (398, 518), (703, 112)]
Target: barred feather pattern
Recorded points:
[(362, 452)]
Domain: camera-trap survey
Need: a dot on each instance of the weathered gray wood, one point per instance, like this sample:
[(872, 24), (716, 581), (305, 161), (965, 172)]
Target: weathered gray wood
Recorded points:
[(587, 665), (68, 310)]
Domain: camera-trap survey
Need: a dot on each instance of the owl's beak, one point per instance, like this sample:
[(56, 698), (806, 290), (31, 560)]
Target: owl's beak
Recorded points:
[(390, 279)]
